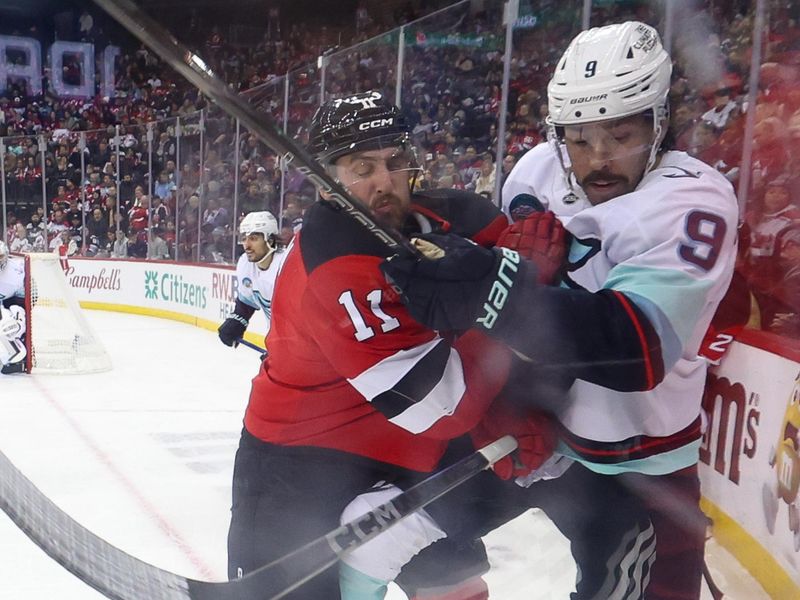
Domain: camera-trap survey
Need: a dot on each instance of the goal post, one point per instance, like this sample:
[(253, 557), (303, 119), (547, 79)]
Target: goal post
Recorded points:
[(59, 338)]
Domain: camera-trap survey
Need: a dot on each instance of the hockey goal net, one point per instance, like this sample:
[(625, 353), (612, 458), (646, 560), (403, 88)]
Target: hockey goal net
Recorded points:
[(59, 338)]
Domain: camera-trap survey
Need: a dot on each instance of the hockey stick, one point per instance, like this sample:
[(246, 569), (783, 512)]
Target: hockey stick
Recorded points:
[(120, 576), (244, 342), (716, 593), (195, 70)]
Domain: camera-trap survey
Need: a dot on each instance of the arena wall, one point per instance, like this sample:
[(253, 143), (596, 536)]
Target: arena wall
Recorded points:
[(201, 295), (750, 458)]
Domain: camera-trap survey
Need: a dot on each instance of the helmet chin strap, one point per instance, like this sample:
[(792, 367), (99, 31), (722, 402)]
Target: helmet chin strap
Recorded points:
[(660, 115), (266, 260), (566, 171)]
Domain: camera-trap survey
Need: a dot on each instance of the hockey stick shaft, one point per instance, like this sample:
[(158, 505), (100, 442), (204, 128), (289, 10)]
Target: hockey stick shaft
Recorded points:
[(195, 70), (244, 342), (120, 576), (276, 580), (716, 593)]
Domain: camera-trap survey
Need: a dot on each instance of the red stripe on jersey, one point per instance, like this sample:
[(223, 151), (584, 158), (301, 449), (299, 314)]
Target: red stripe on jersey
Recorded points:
[(489, 235), (633, 448), (648, 364)]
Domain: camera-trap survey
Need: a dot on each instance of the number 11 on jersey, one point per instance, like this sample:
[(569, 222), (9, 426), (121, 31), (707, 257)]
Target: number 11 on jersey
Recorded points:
[(362, 330)]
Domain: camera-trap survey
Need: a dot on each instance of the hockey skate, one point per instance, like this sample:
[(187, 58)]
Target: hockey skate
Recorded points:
[(12, 356), (12, 368)]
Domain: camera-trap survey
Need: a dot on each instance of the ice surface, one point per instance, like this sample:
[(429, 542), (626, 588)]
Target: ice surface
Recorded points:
[(143, 456)]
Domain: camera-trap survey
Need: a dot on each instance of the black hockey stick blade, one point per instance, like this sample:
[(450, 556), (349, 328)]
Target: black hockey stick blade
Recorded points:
[(120, 576), (197, 72)]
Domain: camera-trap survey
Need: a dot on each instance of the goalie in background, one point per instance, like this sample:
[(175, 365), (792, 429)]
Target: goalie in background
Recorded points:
[(256, 271), (12, 313)]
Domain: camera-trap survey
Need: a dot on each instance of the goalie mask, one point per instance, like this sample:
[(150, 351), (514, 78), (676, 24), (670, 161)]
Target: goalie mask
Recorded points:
[(606, 74)]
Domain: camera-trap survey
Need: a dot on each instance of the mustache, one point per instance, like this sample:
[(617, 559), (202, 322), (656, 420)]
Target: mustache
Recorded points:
[(386, 198), (603, 176)]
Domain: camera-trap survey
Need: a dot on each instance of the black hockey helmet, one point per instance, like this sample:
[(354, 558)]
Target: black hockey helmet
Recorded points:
[(364, 121)]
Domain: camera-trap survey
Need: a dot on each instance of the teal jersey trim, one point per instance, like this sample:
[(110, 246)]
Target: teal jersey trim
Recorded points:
[(658, 464), (678, 296), (355, 585), (248, 301), (671, 347)]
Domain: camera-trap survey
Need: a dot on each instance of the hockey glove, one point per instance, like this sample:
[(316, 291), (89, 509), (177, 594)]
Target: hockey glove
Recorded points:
[(541, 239), (232, 329), (533, 430), (468, 284)]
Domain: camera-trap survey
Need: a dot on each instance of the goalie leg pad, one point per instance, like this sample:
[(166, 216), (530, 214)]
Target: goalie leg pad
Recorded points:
[(12, 322), (12, 352), (382, 557)]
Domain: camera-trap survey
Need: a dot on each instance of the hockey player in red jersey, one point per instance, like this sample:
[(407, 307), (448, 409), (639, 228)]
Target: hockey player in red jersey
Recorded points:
[(652, 252), (354, 391)]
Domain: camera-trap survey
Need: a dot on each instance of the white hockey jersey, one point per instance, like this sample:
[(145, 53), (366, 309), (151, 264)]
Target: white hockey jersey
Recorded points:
[(256, 286), (12, 279), (668, 246)]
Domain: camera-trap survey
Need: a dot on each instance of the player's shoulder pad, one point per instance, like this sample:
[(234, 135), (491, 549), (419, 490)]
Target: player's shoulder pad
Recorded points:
[(530, 175), (682, 181), (468, 213), (329, 232)]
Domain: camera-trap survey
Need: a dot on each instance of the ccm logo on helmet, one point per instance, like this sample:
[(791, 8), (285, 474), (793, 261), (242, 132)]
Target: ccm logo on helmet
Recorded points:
[(375, 123), (584, 99)]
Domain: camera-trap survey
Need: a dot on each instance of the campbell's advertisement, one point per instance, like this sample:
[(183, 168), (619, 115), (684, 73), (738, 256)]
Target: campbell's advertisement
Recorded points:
[(205, 293), (750, 457)]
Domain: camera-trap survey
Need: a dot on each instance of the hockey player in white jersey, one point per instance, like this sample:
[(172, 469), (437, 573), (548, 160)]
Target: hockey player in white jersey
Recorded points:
[(652, 251), (12, 313), (256, 272)]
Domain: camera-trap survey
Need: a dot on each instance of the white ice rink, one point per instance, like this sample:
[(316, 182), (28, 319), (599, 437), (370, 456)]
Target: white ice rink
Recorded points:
[(142, 456)]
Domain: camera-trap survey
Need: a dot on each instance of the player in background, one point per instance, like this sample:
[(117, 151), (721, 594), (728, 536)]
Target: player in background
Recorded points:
[(256, 272), (354, 392), (12, 313), (652, 253)]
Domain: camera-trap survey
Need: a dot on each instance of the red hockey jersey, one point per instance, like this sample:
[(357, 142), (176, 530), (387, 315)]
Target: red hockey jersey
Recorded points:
[(348, 368)]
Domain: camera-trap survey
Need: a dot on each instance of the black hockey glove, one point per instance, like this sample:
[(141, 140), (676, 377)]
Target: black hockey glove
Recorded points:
[(232, 329), (469, 286)]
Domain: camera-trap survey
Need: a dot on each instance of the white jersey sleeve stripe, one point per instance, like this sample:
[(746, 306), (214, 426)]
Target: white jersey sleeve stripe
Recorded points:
[(442, 397), (442, 400), (385, 375)]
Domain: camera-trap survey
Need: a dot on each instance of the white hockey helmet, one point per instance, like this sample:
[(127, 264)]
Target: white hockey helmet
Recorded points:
[(3, 255), (263, 222), (610, 72)]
